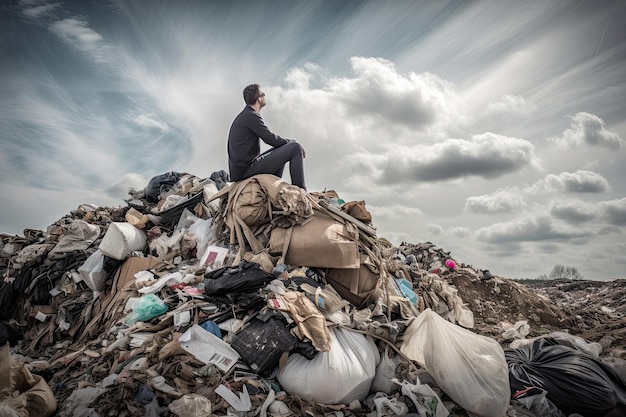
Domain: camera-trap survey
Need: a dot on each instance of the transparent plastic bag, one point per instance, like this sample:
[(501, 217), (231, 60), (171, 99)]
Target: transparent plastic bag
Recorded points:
[(385, 371), (470, 368)]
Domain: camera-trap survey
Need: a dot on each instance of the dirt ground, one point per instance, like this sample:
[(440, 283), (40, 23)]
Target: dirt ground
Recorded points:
[(593, 310)]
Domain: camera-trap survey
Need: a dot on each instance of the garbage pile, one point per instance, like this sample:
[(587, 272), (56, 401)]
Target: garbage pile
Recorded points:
[(204, 297)]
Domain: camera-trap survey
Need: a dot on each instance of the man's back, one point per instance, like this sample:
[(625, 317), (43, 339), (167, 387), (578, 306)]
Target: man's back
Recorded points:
[(244, 158), (243, 141)]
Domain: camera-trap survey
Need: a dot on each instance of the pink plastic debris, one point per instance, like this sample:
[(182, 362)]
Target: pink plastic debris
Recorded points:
[(450, 264)]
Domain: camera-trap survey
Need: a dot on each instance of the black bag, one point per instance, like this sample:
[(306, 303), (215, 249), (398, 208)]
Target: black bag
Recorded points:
[(247, 277), (8, 297), (8, 334), (160, 183), (261, 343), (574, 381)]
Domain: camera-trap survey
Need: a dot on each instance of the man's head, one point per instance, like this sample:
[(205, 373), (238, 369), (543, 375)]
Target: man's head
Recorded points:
[(252, 94)]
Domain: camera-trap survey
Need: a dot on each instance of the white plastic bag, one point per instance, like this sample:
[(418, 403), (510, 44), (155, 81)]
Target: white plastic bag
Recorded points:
[(201, 232), (92, 271), (385, 371), (339, 376), (470, 368)]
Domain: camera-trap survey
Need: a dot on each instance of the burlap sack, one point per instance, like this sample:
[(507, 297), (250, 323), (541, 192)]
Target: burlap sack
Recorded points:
[(321, 242)]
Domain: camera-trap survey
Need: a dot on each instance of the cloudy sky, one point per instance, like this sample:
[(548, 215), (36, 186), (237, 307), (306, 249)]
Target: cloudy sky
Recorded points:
[(493, 129)]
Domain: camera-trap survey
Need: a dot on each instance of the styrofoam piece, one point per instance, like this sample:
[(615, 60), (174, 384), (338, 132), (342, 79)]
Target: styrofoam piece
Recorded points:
[(121, 239)]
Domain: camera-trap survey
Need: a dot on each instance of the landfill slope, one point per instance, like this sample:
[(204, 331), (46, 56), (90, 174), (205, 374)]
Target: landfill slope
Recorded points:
[(96, 361), (560, 305)]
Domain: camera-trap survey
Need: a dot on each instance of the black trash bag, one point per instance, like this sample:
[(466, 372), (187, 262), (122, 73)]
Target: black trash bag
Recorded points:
[(247, 277), (574, 381), (8, 298), (262, 342), (220, 178), (8, 334), (160, 183)]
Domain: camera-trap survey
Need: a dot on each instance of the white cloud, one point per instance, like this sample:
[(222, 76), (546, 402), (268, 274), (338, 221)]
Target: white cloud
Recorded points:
[(151, 121), (36, 12), (588, 129), (509, 105), (413, 100), (129, 181), (377, 105), (435, 229), (394, 211), (505, 201), (614, 211), (78, 34), (574, 211), (488, 156), (461, 231), (527, 229), (580, 181)]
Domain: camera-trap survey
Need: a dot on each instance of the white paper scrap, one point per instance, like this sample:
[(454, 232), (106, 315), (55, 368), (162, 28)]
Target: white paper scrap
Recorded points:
[(41, 316)]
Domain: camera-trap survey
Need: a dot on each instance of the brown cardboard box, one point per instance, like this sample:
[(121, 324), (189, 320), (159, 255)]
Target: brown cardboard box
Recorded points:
[(131, 266), (355, 285)]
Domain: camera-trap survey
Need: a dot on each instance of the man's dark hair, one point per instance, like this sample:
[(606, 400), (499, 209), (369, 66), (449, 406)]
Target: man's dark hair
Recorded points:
[(251, 94)]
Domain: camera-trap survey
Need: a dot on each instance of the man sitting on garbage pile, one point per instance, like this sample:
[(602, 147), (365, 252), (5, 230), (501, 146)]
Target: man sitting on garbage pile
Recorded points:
[(244, 157)]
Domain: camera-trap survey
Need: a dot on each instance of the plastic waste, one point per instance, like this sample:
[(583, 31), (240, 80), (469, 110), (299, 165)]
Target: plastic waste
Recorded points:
[(385, 371), (517, 331), (535, 400), (211, 326), (426, 401), (470, 368), (450, 264), (389, 407), (247, 277), (407, 290), (160, 183), (201, 231), (146, 308), (575, 382), (575, 342), (92, 271), (339, 376)]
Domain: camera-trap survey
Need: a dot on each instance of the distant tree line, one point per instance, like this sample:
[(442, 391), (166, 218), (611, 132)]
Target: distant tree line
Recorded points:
[(562, 272)]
